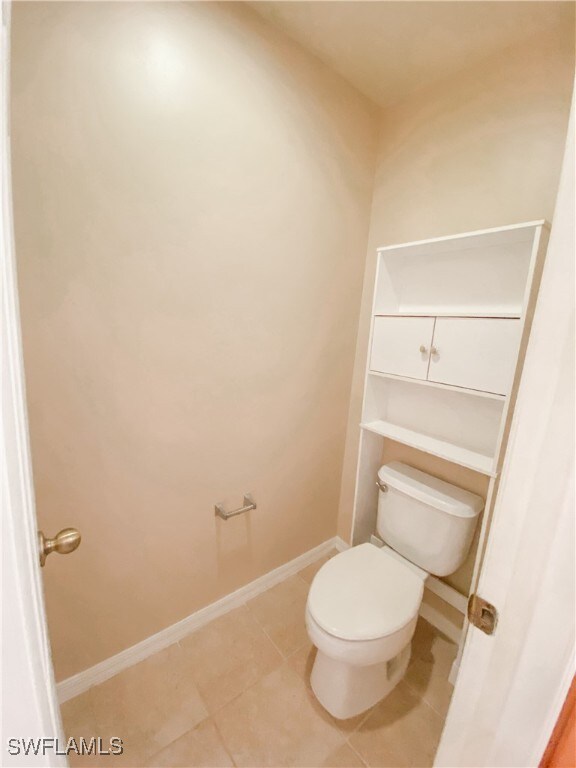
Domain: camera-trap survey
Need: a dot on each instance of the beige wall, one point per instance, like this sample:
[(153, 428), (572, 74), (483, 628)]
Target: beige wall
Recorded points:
[(482, 149), (192, 195)]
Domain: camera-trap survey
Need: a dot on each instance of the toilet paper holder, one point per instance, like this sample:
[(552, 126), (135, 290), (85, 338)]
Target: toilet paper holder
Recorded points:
[(249, 504)]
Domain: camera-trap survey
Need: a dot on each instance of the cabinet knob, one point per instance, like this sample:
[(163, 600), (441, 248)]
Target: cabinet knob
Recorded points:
[(433, 350), (423, 349)]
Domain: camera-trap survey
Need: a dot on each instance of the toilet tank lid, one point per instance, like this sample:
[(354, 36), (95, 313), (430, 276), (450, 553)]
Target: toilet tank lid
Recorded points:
[(431, 490)]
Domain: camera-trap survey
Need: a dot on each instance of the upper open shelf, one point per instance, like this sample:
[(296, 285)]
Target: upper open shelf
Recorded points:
[(482, 274)]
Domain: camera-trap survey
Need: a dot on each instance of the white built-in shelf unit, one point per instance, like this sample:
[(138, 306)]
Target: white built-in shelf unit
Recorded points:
[(450, 322)]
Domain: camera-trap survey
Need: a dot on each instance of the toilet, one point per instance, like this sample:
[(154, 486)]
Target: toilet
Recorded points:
[(363, 604)]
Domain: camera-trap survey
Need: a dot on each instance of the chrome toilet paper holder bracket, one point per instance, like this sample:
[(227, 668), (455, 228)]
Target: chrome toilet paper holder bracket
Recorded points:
[(249, 504)]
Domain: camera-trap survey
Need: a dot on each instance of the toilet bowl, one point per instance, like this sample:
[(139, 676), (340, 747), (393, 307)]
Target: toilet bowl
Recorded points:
[(363, 604), (361, 614)]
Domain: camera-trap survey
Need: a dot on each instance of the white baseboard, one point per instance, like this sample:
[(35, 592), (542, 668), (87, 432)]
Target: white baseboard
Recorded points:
[(340, 544), (77, 684)]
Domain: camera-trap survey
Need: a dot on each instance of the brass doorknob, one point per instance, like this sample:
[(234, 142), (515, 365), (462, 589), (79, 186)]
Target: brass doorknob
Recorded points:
[(66, 541)]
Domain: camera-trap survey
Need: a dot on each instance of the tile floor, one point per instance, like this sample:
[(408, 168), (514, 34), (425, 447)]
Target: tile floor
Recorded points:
[(236, 693)]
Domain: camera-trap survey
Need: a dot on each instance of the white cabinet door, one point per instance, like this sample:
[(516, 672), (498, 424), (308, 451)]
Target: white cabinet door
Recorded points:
[(396, 344), (478, 353)]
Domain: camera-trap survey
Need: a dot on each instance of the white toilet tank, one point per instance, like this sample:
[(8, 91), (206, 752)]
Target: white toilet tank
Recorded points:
[(426, 520)]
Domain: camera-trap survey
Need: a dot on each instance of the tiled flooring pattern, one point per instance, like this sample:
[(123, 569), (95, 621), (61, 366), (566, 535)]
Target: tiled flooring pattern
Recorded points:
[(236, 693)]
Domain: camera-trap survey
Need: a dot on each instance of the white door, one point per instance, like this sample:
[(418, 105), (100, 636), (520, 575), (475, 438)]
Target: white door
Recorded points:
[(512, 684), (29, 705), (401, 345), (477, 353)]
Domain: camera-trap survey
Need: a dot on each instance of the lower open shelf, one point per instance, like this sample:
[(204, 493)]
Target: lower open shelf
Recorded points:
[(444, 450)]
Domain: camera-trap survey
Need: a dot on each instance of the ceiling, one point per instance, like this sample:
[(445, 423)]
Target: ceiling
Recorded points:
[(387, 49)]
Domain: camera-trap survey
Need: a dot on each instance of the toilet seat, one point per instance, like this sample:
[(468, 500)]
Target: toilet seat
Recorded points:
[(365, 593), (359, 653)]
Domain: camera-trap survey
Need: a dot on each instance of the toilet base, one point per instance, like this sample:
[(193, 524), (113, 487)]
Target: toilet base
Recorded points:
[(346, 690)]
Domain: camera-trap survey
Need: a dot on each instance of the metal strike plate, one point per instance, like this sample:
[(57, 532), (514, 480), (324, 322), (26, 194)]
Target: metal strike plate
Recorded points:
[(482, 614)]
